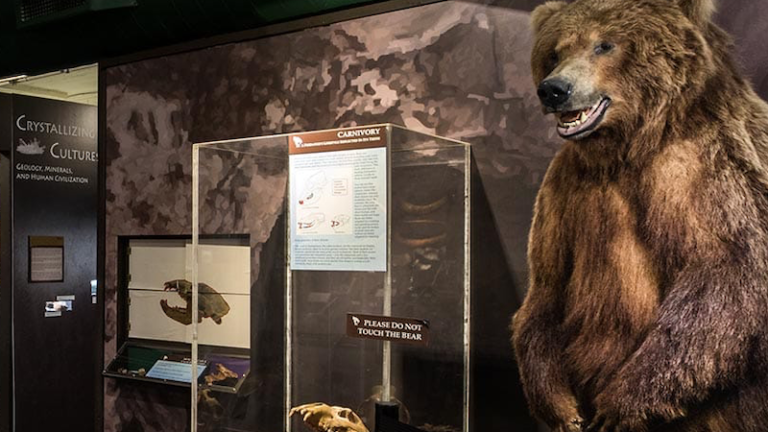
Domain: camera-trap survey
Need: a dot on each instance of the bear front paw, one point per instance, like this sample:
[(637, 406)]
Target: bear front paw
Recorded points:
[(619, 409), (615, 422), (576, 424)]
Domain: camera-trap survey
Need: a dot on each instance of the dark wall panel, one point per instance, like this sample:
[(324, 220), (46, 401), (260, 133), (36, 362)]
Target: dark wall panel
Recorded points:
[(6, 135), (54, 177), (6, 114)]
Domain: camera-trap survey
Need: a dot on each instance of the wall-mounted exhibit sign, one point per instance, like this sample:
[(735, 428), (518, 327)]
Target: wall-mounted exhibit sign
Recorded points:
[(46, 259), (49, 151), (386, 328), (338, 189)]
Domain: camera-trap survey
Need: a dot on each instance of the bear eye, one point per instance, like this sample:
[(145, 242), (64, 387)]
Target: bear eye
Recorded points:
[(603, 48), (553, 59)]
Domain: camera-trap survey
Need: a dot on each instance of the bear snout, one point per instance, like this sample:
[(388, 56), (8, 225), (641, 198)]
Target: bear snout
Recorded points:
[(554, 93)]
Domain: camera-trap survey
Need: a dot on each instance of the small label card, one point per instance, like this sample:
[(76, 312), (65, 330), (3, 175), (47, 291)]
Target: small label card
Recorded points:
[(63, 303), (175, 371), (407, 330)]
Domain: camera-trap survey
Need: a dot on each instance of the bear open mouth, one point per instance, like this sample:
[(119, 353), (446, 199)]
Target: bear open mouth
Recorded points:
[(575, 124)]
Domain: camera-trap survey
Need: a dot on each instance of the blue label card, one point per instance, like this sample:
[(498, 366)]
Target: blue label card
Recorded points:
[(174, 371)]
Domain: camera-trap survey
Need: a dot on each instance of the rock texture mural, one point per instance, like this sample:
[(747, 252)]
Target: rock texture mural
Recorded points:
[(455, 69)]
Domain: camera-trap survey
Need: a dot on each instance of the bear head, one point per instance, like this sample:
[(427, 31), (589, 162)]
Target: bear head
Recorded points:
[(618, 68)]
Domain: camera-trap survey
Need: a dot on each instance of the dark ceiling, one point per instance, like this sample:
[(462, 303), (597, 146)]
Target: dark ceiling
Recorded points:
[(94, 36)]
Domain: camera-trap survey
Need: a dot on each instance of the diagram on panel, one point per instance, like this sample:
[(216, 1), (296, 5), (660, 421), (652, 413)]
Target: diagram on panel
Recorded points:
[(313, 189), (339, 223), (324, 202), (311, 221)]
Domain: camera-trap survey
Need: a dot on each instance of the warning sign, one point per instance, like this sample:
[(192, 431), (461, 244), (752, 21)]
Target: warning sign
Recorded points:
[(408, 330)]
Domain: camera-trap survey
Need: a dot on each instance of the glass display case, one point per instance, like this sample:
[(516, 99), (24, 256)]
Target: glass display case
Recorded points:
[(359, 278)]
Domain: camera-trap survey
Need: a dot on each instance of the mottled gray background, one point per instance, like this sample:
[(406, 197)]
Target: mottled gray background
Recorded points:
[(457, 69)]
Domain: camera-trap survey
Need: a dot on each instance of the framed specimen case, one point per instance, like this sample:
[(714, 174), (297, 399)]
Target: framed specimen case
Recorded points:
[(155, 326)]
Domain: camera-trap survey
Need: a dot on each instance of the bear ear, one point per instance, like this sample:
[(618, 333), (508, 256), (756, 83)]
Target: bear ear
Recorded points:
[(544, 12), (698, 11)]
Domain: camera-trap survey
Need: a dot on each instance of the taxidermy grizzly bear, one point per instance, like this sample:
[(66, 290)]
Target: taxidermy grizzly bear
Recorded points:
[(648, 303)]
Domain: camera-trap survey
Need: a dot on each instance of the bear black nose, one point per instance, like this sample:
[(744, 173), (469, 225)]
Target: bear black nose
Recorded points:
[(554, 92)]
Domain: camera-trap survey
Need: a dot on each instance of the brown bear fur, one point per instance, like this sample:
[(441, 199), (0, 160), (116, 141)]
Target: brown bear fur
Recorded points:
[(648, 300)]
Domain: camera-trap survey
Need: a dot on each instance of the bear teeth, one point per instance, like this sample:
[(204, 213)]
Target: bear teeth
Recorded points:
[(574, 123), (582, 117)]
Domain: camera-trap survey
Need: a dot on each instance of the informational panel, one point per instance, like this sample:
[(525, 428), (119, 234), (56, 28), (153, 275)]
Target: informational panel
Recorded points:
[(56, 325), (46, 259), (160, 292), (338, 199)]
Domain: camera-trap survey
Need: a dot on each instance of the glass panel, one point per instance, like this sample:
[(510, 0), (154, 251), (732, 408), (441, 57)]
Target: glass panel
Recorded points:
[(425, 281), (429, 277), (240, 233)]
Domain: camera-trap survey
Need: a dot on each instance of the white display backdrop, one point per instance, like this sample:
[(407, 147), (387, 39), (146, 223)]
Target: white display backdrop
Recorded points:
[(225, 268), (152, 263)]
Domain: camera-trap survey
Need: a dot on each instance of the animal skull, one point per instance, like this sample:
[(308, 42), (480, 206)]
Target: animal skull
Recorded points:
[(323, 418)]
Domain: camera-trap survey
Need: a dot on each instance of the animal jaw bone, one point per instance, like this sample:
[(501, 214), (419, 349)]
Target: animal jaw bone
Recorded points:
[(220, 373), (211, 304), (323, 418)]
